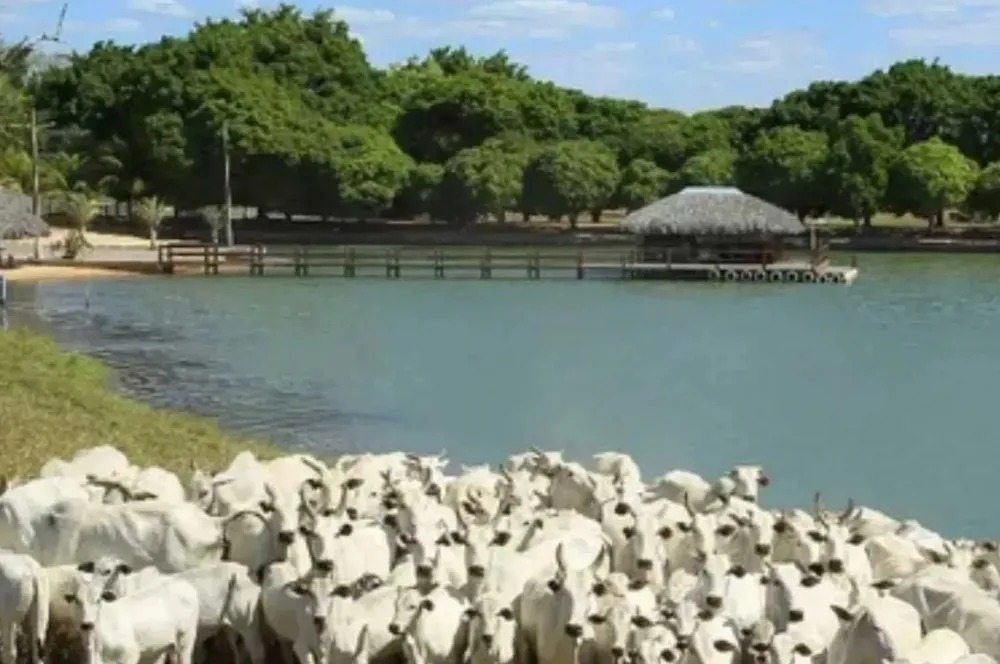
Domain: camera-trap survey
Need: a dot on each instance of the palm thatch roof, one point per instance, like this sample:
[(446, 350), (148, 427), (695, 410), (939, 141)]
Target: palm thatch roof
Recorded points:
[(712, 211), (16, 220)]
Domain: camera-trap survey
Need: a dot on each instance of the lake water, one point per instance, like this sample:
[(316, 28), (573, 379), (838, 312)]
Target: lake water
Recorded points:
[(886, 390)]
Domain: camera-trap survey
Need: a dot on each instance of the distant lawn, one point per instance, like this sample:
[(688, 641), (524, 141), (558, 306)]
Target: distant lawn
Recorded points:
[(53, 403)]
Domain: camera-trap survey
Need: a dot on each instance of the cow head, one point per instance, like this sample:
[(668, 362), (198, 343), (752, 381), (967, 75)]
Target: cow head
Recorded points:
[(492, 628), (411, 603), (653, 644), (790, 593), (614, 618), (748, 481), (573, 593)]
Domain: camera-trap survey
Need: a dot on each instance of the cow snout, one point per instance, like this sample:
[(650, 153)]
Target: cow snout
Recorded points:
[(574, 631), (286, 536), (352, 513), (477, 571), (621, 509), (816, 568), (325, 565), (795, 616), (394, 629), (487, 640), (87, 626), (714, 601), (760, 658), (645, 564), (762, 549), (617, 652), (682, 643), (319, 622), (837, 566), (424, 571)]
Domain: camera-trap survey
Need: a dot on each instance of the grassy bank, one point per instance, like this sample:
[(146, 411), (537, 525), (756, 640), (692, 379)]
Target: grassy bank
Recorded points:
[(53, 403)]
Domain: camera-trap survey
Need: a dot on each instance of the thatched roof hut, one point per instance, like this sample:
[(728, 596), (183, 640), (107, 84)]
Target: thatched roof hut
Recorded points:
[(16, 220), (726, 211)]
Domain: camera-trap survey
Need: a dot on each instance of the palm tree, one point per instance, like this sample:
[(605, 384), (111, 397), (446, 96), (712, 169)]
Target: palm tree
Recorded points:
[(213, 216), (151, 212), (16, 173), (80, 208)]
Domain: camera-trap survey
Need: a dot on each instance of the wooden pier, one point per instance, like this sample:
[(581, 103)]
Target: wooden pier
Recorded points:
[(483, 263)]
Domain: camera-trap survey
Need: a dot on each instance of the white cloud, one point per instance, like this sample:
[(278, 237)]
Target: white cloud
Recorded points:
[(163, 7), (979, 33), (359, 16), (564, 13), (788, 51), (679, 45), (713, 23), (615, 47), (114, 25), (927, 9), (664, 14)]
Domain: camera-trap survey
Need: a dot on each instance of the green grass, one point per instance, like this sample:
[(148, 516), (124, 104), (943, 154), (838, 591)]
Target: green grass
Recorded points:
[(53, 403)]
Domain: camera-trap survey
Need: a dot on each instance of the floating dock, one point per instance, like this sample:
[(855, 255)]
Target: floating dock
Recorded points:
[(483, 263)]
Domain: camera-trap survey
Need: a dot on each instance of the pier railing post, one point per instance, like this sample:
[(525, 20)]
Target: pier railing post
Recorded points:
[(349, 263), (486, 265), (579, 264)]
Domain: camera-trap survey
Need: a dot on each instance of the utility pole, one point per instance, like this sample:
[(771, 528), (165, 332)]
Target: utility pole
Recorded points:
[(227, 189), (36, 194)]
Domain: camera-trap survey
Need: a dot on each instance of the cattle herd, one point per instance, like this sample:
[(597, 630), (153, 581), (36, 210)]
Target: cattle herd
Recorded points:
[(386, 558)]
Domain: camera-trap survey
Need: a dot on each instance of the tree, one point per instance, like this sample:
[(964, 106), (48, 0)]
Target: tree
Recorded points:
[(929, 177), (215, 219), (80, 209), (151, 212), (785, 166), (984, 198), (641, 183), (419, 194), (712, 168), (484, 180), (569, 178), (858, 166)]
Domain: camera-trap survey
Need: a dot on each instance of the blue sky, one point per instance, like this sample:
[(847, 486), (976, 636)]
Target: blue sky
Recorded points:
[(684, 54)]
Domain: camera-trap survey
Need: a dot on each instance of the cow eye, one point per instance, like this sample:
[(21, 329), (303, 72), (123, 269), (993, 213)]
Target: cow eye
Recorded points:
[(816, 536), (266, 506), (471, 613), (628, 531), (554, 585), (781, 527), (353, 483), (443, 541), (738, 571), (684, 527), (665, 532), (506, 614), (856, 539), (457, 538), (597, 619), (667, 655), (803, 649), (726, 530), (810, 581)]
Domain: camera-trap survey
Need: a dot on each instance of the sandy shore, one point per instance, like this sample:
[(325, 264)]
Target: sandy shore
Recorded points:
[(77, 272)]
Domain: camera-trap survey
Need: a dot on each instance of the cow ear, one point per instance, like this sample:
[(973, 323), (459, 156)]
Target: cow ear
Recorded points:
[(738, 571), (725, 530), (299, 589), (108, 596), (803, 649), (599, 589), (391, 521), (427, 605), (724, 646), (345, 530), (86, 568), (667, 655), (124, 568), (842, 613), (856, 539), (884, 584), (69, 598)]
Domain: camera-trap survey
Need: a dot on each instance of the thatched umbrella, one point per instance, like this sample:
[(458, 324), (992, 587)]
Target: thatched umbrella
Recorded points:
[(712, 211), (16, 220)]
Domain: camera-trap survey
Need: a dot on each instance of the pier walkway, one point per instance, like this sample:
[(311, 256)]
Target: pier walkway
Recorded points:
[(477, 262)]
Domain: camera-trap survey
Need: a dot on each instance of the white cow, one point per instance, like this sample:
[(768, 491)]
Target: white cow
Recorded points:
[(227, 596), (431, 624), (492, 637), (554, 612), (25, 510), (159, 620), (170, 537), (24, 603), (875, 629), (939, 646)]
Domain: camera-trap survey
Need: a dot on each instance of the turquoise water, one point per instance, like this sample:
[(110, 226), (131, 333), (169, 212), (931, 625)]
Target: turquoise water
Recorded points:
[(886, 390)]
